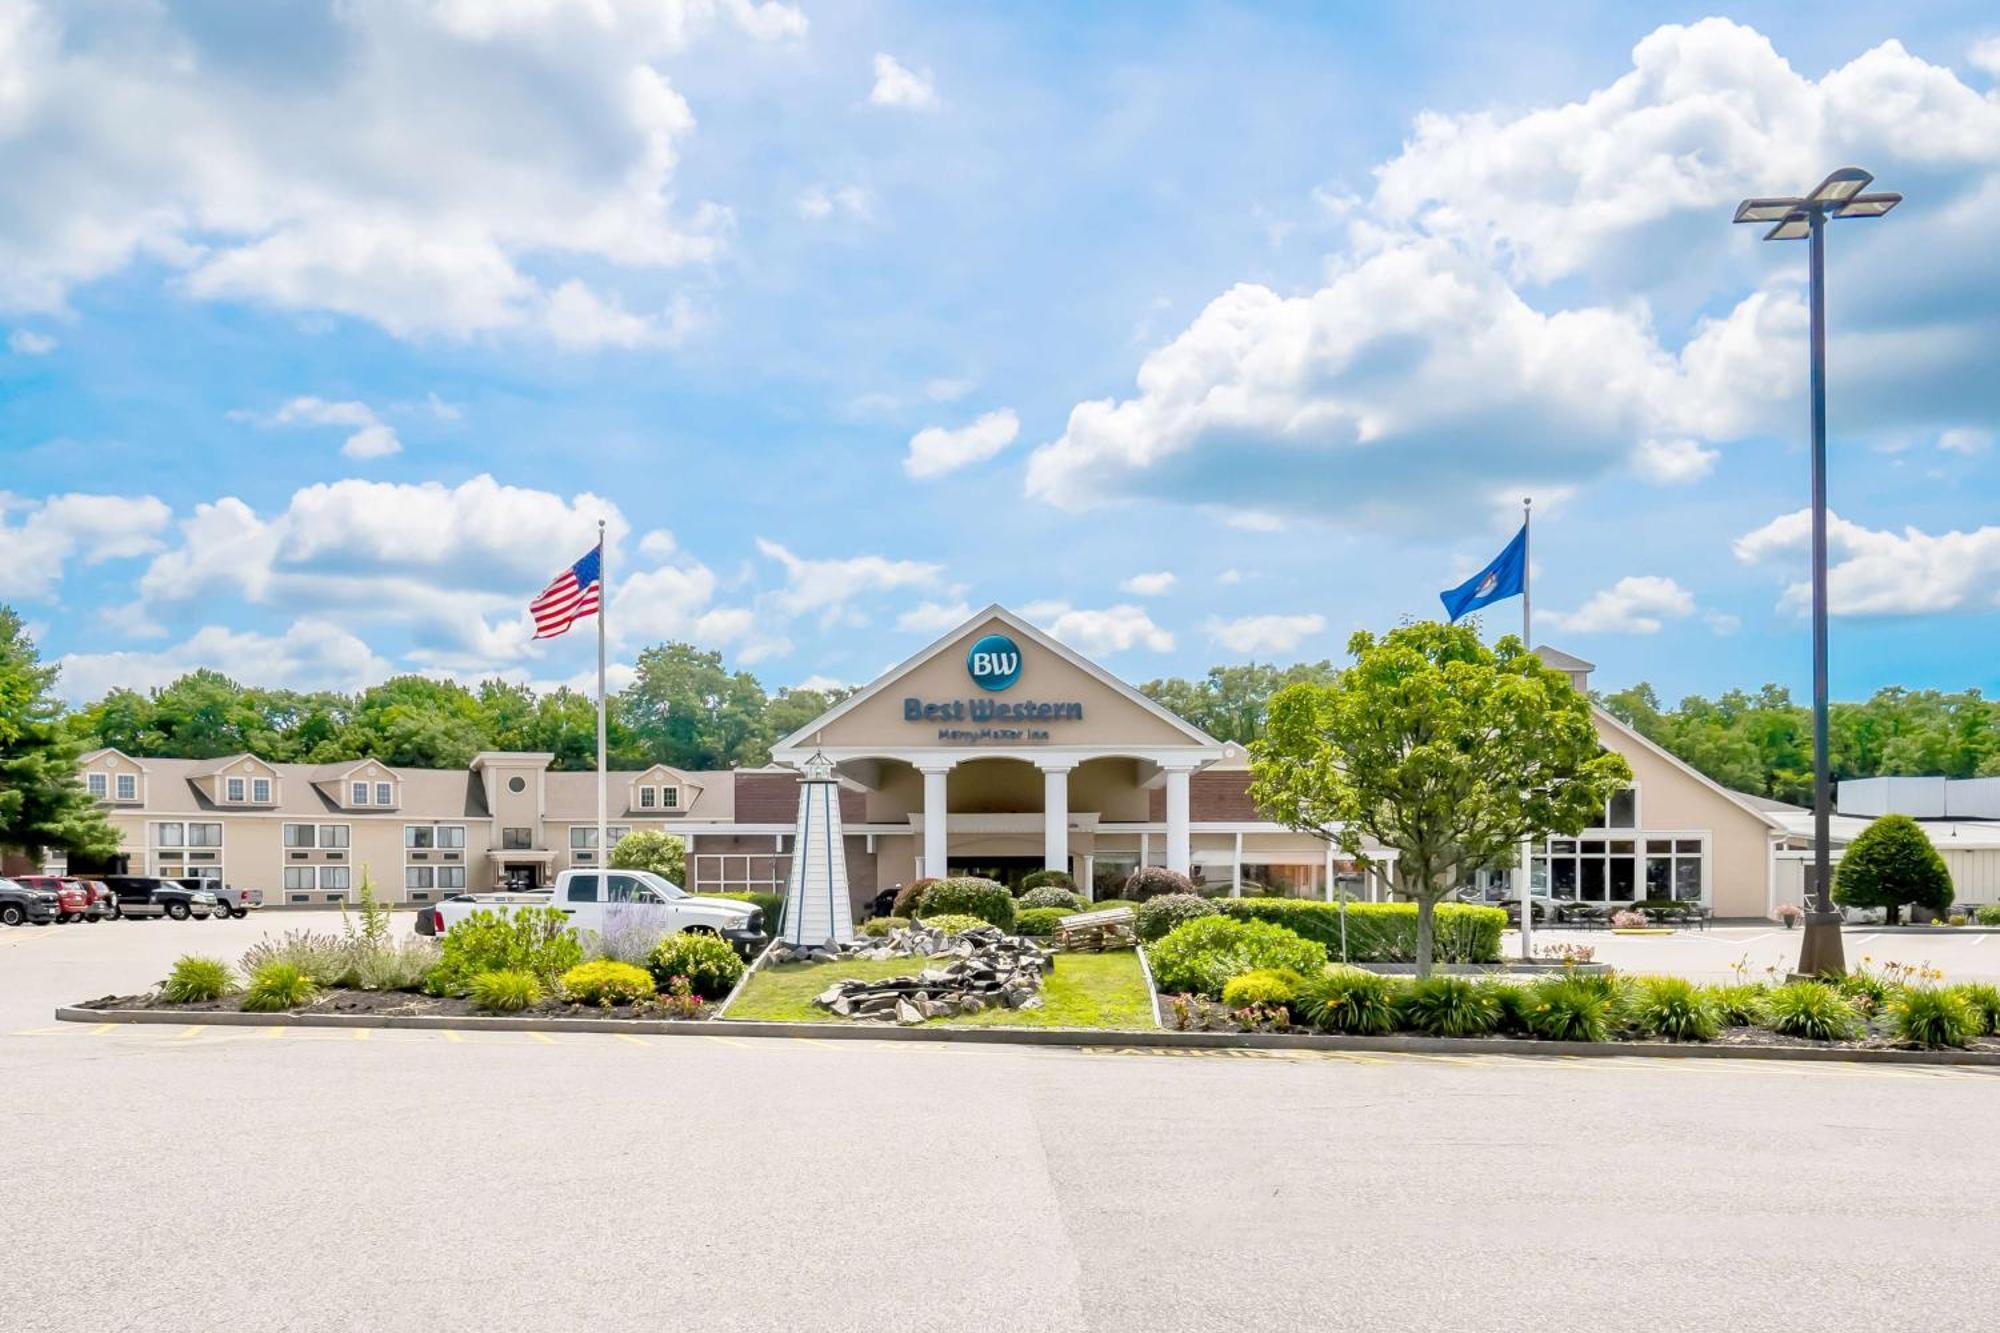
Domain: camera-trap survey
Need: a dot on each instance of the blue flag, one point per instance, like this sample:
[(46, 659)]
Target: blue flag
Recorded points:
[(1506, 577)]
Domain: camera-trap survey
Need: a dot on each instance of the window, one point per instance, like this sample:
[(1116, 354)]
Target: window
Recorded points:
[(670, 798), (517, 839), (1674, 868), (627, 889), (738, 873), (419, 836), (298, 877), (1609, 869), (100, 785), (451, 877), (169, 835), (1622, 810), (333, 836), (583, 837), (451, 836), (583, 888), (204, 835), (1279, 880), (233, 789), (649, 798), (384, 794), (260, 790), (299, 835), (419, 877), (128, 787), (359, 795)]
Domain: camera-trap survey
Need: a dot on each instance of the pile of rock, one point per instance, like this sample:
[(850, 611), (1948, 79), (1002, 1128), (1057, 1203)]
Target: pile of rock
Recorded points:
[(915, 940), (970, 976)]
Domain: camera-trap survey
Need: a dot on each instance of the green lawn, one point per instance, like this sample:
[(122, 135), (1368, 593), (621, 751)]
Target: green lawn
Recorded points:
[(1085, 990)]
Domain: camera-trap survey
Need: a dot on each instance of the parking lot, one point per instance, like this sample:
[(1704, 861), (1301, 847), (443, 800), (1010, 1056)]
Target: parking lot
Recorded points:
[(1721, 952), (325, 1179)]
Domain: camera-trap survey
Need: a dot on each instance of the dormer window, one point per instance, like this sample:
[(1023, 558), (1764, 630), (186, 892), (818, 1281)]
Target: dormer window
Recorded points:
[(670, 798), (100, 785), (234, 787), (384, 794), (649, 798), (260, 790), (359, 794), (128, 787)]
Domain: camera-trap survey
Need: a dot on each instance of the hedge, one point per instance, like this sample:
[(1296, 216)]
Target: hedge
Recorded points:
[(772, 903), (1380, 932)]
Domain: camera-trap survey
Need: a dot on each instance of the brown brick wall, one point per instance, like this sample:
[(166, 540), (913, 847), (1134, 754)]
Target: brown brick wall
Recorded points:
[(1213, 798), (773, 798)]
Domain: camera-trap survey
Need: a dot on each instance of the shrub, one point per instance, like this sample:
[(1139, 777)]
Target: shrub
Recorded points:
[(711, 967), (394, 964), (1447, 1006), (1866, 991), (319, 955), (1738, 1006), (1265, 985), (1892, 862), (664, 854), (910, 897), (1987, 914), (955, 923), (1156, 916), (880, 927), (1347, 999), (1985, 1002), (1202, 955), (1629, 920), (536, 940), (968, 895), (606, 983), (1106, 904), (772, 905), (1568, 1009), (505, 990), (278, 985), (1674, 1008), (195, 978), (1381, 932), (1152, 881), (1046, 879), (1810, 1009), (1052, 895), (1039, 921), (1933, 1017), (629, 934)]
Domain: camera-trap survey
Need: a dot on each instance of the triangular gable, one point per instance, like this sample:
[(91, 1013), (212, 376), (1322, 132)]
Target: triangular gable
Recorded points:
[(667, 773), (1735, 798), (241, 765), (1110, 712)]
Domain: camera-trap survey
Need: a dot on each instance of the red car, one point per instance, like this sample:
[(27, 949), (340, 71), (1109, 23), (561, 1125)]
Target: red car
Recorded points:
[(75, 900)]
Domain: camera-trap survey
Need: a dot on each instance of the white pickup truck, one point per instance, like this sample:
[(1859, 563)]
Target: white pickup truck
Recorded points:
[(609, 903)]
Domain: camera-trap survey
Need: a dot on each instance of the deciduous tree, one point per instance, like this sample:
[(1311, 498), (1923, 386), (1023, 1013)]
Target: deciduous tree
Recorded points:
[(43, 803), (1893, 862)]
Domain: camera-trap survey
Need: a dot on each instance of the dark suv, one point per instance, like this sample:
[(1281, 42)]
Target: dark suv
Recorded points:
[(19, 903), (148, 895)]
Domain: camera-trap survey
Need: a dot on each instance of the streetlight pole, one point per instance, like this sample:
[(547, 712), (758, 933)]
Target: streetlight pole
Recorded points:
[(1838, 196)]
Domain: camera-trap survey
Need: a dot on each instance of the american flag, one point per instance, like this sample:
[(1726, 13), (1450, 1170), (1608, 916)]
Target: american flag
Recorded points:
[(570, 596)]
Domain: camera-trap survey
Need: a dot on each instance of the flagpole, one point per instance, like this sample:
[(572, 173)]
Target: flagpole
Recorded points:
[(1527, 642), (603, 605)]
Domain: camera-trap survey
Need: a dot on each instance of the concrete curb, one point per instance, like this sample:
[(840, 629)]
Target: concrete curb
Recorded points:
[(1059, 1037)]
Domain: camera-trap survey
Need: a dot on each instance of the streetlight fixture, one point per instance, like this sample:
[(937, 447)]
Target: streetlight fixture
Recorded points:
[(1838, 196)]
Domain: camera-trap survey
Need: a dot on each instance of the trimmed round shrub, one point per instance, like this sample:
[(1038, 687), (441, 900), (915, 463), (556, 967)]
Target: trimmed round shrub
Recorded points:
[(1106, 904), (1201, 956), (1447, 1006), (1738, 1006), (910, 897), (1152, 881), (606, 983), (1933, 1017), (1045, 879), (1675, 1009), (956, 923), (1349, 1000), (880, 927), (1156, 916), (1985, 1001), (1039, 921), (1052, 895), (711, 967), (195, 978), (504, 990), (1569, 1009), (968, 895), (1266, 985), (278, 986), (1811, 1009), (1892, 862)]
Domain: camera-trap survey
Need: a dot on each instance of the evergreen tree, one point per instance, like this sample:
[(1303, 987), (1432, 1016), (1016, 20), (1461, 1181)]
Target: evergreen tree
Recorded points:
[(43, 803), (1893, 862)]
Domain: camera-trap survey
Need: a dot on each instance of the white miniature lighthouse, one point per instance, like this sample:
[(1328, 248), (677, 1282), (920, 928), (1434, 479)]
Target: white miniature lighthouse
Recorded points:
[(816, 906)]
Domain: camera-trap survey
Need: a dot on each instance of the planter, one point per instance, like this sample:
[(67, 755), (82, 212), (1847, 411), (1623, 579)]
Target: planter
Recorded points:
[(1642, 930)]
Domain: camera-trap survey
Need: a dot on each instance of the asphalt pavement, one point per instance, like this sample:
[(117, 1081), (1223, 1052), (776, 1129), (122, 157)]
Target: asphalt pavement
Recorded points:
[(195, 1178)]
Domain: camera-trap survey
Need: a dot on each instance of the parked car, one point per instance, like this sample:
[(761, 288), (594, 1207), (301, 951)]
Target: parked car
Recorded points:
[(620, 899), (72, 899), (103, 902), (228, 902), (149, 895), (19, 903)]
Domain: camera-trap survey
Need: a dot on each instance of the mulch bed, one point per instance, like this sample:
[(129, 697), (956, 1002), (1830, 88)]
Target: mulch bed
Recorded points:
[(399, 1003)]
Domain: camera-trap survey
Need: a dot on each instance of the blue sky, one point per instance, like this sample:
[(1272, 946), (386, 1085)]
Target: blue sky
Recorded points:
[(1196, 333)]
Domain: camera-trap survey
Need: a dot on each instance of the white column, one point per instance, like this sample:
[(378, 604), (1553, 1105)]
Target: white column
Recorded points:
[(1177, 820), (1055, 815), (934, 820), (1145, 849), (1236, 870)]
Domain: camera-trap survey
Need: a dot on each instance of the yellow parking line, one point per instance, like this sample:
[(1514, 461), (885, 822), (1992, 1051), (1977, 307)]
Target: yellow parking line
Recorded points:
[(361, 1034), (628, 1037), (103, 1028), (193, 1030), (269, 1033), (731, 1041), (542, 1037), (449, 1035)]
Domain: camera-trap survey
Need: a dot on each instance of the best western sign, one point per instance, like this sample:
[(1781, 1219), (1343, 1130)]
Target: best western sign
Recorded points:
[(994, 664)]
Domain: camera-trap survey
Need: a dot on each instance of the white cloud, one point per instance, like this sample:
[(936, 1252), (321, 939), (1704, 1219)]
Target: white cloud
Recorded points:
[(26, 342), (1254, 520), (943, 390), (1673, 462), (935, 450), (897, 85), (1637, 604), (817, 203), (1229, 578), (1985, 55), (933, 617), (1264, 634), (310, 655), (442, 410), (371, 438), (36, 549), (1113, 629), (443, 169), (821, 681), (1878, 573), (1965, 440), (826, 587), (1148, 585)]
